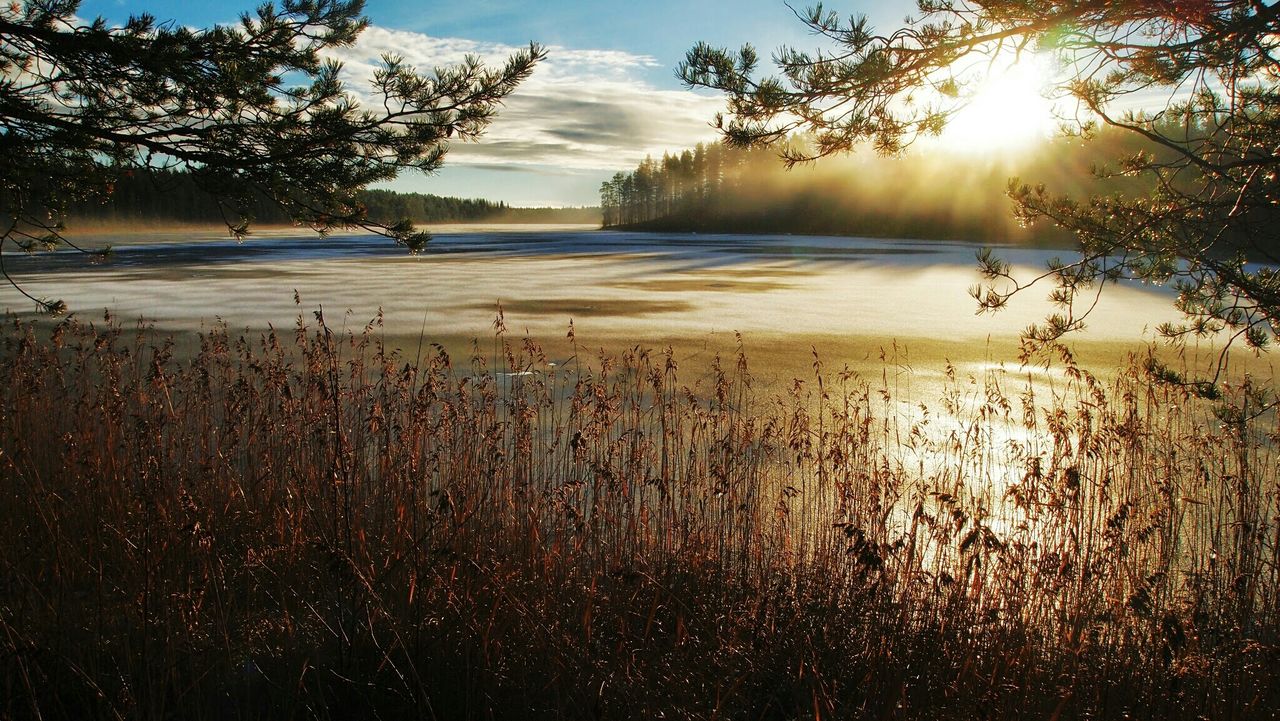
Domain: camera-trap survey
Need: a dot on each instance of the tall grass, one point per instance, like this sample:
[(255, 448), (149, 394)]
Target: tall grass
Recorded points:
[(309, 525)]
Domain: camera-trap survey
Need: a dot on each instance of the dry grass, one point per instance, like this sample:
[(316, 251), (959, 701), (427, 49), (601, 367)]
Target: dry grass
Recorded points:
[(307, 525)]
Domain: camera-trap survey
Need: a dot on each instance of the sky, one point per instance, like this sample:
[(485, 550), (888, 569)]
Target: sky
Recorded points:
[(605, 97)]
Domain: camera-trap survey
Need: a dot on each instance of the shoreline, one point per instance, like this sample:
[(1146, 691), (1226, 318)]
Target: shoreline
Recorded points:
[(745, 226)]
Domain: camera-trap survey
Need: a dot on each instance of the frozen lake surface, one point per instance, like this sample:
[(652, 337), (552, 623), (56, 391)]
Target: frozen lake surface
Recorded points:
[(636, 284), (848, 297)]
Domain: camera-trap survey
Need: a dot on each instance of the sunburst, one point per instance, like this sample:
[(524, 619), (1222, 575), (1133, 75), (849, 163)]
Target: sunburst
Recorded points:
[(1008, 108)]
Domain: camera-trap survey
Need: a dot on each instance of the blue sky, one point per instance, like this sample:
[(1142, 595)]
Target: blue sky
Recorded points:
[(605, 97)]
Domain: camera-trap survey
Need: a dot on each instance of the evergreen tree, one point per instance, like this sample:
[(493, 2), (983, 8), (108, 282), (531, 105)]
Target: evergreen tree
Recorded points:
[(1208, 223), (253, 111)]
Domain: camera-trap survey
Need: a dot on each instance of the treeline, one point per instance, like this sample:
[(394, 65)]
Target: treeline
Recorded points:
[(692, 180), (426, 208), (161, 196), (923, 194)]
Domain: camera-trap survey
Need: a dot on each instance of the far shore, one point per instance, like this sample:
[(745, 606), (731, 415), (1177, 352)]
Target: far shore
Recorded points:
[(122, 233), (128, 233)]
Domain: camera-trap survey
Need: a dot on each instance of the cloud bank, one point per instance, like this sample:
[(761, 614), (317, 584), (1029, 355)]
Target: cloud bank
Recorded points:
[(581, 110)]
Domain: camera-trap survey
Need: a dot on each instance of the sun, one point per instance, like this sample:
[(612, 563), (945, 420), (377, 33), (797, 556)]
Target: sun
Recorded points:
[(1005, 110)]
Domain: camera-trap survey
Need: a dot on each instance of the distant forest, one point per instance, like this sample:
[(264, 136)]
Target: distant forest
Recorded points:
[(158, 197), (925, 193)]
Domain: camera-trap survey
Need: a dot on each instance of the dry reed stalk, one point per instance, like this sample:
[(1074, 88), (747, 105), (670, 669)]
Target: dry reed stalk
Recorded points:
[(310, 525)]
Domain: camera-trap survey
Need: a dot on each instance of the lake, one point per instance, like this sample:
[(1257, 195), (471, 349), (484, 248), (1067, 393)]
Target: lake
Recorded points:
[(848, 298)]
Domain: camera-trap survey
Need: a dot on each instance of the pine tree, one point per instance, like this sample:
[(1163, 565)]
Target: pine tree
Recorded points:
[(252, 110), (1208, 227)]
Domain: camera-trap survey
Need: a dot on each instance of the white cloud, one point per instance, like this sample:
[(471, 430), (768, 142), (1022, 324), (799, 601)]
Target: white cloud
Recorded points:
[(580, 110)]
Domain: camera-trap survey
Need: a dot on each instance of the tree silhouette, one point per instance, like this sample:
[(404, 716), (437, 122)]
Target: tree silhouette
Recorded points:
[(1204, 74), (253, 110), (167, 196)]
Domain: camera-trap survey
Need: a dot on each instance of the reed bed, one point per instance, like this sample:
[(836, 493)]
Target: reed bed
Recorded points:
[(305, 524)]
